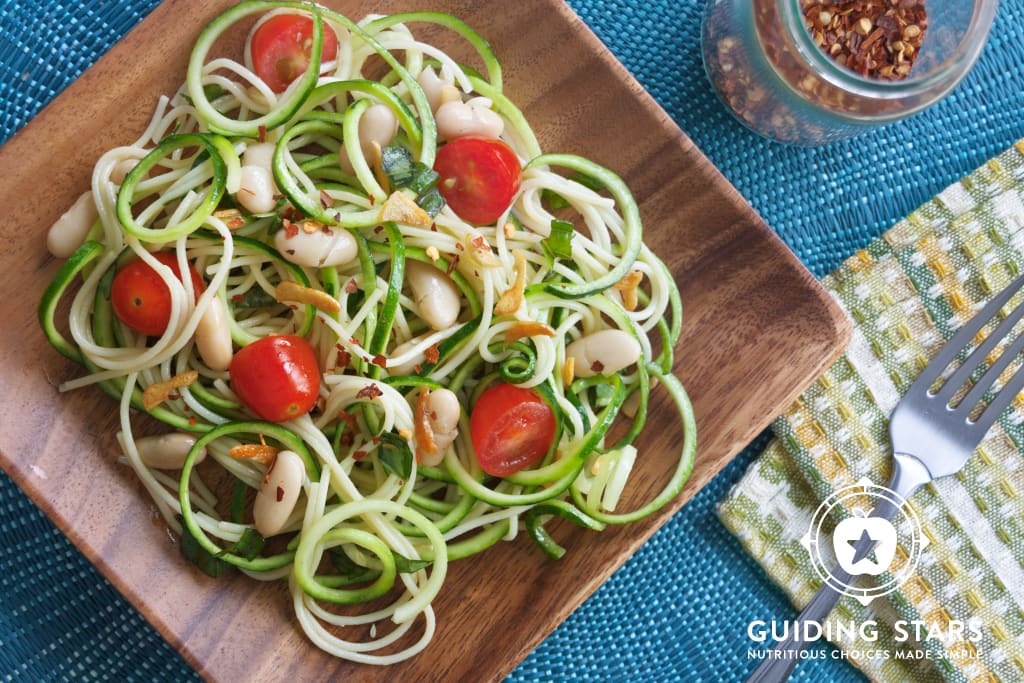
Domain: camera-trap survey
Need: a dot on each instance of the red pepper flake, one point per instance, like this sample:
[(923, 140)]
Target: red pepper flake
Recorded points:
[(344, 359), (238, 298), (459, 247), (354, 342), (597, 366), (370, 391), (326, 200), (234, 223), (280, 494), (380, 360), (452, 263), (373, 200), (432, 354), (346, 440), (417, 368), (377, 230), (376, 440), (351, 287), (359, 455), (433, 227), (348, 418), (192, 421), (263, 138), (479, 242), (290, 229)]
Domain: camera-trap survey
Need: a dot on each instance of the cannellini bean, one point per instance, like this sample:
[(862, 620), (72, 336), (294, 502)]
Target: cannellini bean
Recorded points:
[(213, 336), (259, 154), (438, 88), (408, 367), (604, 352), (459, 119), (436, 295), (256, 192), (317, 249), (377, 125), (443, 411), (279, 493), (69, 231), (167, 451)]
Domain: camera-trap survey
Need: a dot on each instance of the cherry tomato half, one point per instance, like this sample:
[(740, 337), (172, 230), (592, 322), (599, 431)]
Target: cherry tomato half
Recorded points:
[(280, 49), (140, 298), (479, 177), (511, 428), (277, 377)]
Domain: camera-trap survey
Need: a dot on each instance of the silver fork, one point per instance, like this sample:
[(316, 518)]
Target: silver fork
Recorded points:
[(931, 438)]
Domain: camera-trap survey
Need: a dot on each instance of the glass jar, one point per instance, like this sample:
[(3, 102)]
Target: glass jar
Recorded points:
[(768, 70)]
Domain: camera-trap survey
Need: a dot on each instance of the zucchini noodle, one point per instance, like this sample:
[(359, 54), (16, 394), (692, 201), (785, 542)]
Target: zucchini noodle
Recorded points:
[(369, 541)]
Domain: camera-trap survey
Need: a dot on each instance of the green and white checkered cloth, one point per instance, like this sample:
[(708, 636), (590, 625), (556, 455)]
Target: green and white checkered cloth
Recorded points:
[(907, 293)]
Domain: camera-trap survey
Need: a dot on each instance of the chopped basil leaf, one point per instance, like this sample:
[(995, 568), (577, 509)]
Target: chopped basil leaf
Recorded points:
[(395, 456), (431, 201), (248, 546), (406, 566), (254, 297), (403, 172), (559, 243)]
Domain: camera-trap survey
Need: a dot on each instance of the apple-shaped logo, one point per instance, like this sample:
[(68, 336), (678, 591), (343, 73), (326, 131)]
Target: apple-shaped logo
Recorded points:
[(871, 534)]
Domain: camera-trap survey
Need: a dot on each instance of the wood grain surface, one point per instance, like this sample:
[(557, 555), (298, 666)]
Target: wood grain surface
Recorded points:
[(757, 330)]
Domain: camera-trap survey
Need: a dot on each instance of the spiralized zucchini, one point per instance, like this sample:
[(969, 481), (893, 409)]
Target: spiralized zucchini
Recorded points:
[(374, 529)]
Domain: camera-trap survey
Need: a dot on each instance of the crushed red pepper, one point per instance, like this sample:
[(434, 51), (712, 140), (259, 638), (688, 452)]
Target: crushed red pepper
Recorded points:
[(874, 38)]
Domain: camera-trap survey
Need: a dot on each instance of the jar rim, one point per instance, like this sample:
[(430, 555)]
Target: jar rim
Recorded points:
[(941, 79)]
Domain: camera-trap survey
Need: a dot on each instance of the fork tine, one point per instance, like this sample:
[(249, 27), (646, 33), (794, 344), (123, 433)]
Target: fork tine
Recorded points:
[(1001, 401), (977, 358), (985, 382), (962, 337)]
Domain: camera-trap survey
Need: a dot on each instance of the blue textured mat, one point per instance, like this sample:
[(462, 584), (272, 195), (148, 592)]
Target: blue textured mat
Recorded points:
[(679, 609)]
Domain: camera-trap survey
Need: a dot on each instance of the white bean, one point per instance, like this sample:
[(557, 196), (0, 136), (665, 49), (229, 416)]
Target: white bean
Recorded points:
[(459, 119), (259, 154), (317, 249), (256, 192), (443, 411), (213, 336), (70, 230), (379, 125), (167, 451), (409, 366), (604, 352), (438, 88), (279, 493), (436, 295)]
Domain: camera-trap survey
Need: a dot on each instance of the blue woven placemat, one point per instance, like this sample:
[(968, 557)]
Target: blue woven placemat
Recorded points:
[(679, 609)]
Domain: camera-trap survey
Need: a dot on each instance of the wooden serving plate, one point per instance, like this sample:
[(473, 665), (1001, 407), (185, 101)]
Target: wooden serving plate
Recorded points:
[(757, 330)]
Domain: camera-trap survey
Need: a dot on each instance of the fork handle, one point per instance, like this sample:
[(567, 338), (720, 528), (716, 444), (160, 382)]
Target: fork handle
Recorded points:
[(908, 474)]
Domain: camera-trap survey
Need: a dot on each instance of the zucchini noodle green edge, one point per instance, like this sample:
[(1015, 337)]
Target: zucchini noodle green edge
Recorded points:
[(378, 520)]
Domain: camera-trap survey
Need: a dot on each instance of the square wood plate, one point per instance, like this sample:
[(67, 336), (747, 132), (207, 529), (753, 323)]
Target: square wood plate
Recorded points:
[(757, 330)]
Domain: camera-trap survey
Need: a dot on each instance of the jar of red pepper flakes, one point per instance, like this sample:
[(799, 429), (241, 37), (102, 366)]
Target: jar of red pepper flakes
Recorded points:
[(810, 72)]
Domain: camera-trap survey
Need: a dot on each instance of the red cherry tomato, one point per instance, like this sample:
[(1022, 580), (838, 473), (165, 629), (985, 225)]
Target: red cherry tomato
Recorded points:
[(511, 428), (277, 377), (479, 177), (140, 298), (280, 49)]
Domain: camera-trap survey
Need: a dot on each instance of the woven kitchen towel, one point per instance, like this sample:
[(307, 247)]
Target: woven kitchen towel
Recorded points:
[(907, 293)]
